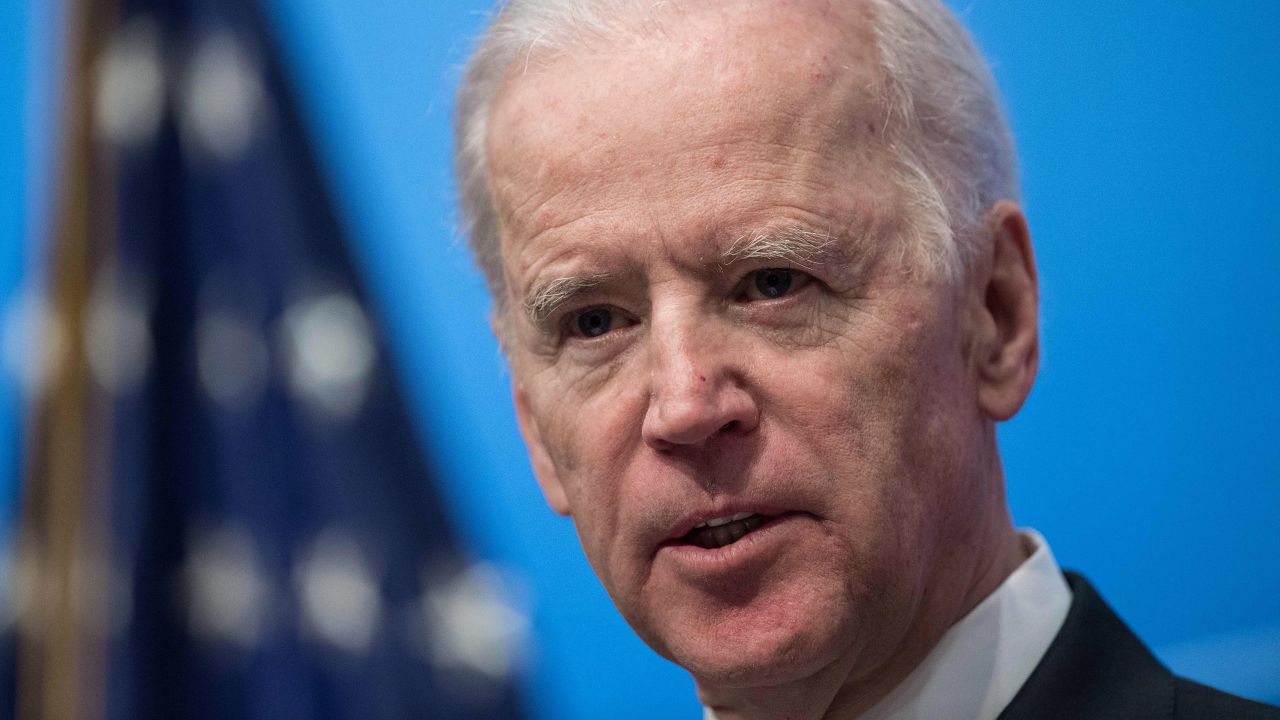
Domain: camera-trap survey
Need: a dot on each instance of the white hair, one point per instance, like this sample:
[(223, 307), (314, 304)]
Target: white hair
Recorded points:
[(953, 152)]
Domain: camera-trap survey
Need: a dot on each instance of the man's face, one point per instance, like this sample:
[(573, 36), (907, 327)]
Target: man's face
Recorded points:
[(708, 226)]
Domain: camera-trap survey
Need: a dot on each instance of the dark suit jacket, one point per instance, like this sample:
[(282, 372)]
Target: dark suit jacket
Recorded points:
[(1097, 669)]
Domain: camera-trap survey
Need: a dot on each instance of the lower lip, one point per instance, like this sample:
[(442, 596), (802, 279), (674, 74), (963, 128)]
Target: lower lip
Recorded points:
[(757, 545)]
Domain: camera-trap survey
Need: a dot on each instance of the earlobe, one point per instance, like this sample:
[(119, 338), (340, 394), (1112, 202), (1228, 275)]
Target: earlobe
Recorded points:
[(1008, 355), (543, 469)]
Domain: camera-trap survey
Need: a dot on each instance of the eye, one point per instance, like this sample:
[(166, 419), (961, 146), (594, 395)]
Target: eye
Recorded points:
[(592, 322), (595, 321), (773, 283)]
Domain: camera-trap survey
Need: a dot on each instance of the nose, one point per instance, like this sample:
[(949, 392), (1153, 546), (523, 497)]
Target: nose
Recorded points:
[(695, 394)]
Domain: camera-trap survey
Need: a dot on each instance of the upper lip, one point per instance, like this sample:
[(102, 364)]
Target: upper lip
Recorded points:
[(694, 519)]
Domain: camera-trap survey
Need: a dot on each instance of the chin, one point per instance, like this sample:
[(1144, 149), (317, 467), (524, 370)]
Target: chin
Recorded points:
[(748, 647), (761, 664)]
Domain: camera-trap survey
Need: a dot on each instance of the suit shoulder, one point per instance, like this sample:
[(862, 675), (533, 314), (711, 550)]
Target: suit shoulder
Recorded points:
[(1200, 702)]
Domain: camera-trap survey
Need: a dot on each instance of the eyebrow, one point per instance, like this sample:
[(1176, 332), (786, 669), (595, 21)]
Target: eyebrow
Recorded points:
[(546, 298), (800, 246)]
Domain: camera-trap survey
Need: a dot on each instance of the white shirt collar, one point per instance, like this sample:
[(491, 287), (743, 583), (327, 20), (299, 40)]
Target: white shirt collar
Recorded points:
[(980, 663)]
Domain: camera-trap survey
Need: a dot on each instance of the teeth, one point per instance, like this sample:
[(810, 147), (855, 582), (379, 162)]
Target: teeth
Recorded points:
[(726, 520), (724, 531)]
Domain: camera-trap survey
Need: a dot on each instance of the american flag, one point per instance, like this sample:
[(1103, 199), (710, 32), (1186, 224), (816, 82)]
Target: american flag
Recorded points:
[(227, 514)]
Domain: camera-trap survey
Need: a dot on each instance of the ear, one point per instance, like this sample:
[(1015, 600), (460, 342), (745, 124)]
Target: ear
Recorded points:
[(1007, 351), (543, 469)]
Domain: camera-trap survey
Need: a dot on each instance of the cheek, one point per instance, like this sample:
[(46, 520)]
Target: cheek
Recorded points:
[(877, 411), (588, 437), (916, 410), (871, 388)]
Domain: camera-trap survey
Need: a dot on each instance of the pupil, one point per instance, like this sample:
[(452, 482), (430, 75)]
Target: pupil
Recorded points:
[(773, 283), (595, 322)]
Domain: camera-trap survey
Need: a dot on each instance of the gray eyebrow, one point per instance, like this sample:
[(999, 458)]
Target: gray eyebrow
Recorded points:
[(799, 246), (545, 298)]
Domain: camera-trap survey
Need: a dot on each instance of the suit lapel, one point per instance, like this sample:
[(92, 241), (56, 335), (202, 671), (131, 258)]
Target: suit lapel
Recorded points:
[(1095, 668)]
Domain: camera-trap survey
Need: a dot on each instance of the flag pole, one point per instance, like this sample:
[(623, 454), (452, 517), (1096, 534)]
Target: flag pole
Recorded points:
[(62, 530)]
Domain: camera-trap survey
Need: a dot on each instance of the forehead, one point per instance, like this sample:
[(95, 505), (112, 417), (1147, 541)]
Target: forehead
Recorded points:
[(712, 86)]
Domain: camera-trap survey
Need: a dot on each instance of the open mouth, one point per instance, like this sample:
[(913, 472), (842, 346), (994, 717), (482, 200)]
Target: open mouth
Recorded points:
[(719, 532)]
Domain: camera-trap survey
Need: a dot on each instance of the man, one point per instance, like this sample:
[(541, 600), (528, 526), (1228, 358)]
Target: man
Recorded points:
[(766, 290)]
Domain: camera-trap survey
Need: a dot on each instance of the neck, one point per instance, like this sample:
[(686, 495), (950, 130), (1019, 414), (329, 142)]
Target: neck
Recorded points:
[(842, 690)]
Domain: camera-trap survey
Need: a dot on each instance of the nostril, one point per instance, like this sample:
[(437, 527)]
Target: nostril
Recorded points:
[(729, 426)]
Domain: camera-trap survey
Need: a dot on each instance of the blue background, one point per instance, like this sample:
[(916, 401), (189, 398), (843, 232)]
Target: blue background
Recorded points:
[(1151, 153)]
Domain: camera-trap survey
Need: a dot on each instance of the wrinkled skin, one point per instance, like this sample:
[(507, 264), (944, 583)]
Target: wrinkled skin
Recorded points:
[(859, 404)]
